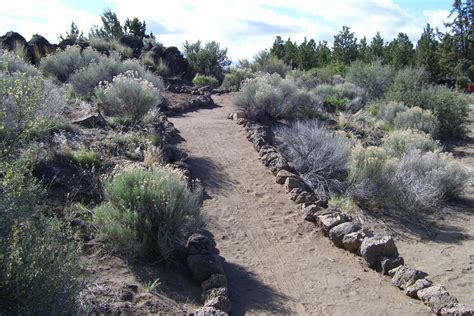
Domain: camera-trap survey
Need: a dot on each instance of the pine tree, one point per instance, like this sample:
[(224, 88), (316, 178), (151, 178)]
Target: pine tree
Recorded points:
[(364, 50), (111, 27), (135, 27), (377, 47), (400, 51), (345, 46), (426, 52)]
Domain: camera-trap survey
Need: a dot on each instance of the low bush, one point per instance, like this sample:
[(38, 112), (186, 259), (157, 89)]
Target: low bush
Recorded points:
[(105, 69), (64, 63), (234, 79), (388, 111), (85, 158), (374, 77), (416, 181), (40, 270), (397, 143), (408, 86), (267, 96), (321, 158), (356, 97), (11, 63), (417, 118), (148, 208), (303, 79), (200, 80), (129, 96)]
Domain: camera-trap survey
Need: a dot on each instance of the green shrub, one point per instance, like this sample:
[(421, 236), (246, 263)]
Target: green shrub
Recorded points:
[(208, 59), (389, 110), (10, 62), (105, 69), (397, 143), (201, 80), (374, 77), (321, 158), (272, 65), (356, 97), (129, 96), (150, 208), (450, 108), (64, 63), (417, 118), (40, 270), (416, 181), (408, 86), (85, 158), (303, 79), (234, 79)]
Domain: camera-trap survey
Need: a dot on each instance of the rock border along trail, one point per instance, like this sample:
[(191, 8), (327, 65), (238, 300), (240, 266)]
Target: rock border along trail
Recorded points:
[(276, 262)]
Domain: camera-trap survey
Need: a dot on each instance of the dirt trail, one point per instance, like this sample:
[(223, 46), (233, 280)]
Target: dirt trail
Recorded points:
[(276, 262)]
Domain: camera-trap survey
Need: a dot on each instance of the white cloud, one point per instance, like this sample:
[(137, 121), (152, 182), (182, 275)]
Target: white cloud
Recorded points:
[(244, 26)]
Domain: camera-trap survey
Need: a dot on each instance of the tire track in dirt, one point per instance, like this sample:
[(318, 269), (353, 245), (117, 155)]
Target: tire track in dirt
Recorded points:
[(276, 262)]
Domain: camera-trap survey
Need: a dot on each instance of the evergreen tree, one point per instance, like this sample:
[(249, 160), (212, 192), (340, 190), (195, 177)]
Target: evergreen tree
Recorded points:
[(278, 48), (345, 46), (364, 50), (400, 51), (290, 55), (74, 33), (322, 54), (111, 27), (135, 27), (426, 54), (307, 54), (377, 47)]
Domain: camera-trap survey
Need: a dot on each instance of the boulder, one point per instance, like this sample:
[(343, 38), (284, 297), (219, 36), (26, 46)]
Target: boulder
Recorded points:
[(176, 63), (293, 183), (89, 120), (199, 244), (384, 264), (436, 297), (134, 42), (337, 233), (352, 241), (420, 284), (457, 310), (202, 267), (405, 277), (328, 221), (306, 197), (215, 281), (373, 248), (38, 47), (11, 41)]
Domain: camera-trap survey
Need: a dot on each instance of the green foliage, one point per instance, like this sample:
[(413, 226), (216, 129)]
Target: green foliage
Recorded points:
[(407, 87), (343, 95), (135, 27), (111, 27), (63, 64), (208, 60), (303, 79), (398, 143), (234, 78), (105, 69), (400, 52), (40, 270), (10, 62), (375, 77), (85, 158), (426, 52), (149, 208), (417, 118), (128, 95), (74, 34), (345, 46), (200, 80)]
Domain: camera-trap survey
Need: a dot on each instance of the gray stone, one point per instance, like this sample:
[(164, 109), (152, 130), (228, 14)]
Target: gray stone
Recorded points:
[(436, 297), (306, 197), (353, 240), (310, 212), (217, 298), (457, 310), (405, 277), (215, 281), (203, 266), (199, 244), (337, 233), (328, 221), (385, 264), (238, 115), (282, 175), (372, 248), (292, 183), (420, 284)]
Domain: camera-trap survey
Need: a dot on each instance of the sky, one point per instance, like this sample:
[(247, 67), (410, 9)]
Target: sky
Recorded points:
[(243, 26)]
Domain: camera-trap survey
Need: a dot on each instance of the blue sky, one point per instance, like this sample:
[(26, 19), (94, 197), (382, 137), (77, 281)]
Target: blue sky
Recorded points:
[(244, 26)]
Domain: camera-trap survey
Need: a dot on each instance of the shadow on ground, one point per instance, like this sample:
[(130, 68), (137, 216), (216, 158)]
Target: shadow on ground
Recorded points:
[(212, 175), (441, 226), (247, 293)]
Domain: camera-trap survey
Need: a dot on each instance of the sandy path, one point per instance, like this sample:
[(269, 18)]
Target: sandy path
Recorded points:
[(276, 262)]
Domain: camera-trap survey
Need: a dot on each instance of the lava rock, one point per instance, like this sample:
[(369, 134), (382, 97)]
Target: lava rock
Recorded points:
[(337, 233), (405, 277), (373, 248)]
